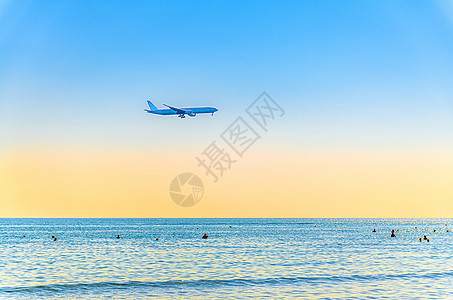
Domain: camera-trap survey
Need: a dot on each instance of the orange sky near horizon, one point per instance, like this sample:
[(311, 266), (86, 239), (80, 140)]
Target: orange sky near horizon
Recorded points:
[(68, 182)]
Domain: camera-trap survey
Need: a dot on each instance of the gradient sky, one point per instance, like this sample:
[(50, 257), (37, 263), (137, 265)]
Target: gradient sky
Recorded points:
[(367, 87)]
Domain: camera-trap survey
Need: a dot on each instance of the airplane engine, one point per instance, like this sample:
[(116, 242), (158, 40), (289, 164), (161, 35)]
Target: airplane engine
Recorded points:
[(191, 113)]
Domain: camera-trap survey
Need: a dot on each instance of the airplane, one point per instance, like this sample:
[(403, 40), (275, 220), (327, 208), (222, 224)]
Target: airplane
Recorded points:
[(181, 112)]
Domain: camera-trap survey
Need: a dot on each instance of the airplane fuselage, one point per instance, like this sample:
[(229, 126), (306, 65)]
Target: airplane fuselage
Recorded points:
[(180, 112), (194, 110)]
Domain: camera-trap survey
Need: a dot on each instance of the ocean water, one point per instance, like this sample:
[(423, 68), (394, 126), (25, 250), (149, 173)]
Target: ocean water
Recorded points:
[(255, 258)]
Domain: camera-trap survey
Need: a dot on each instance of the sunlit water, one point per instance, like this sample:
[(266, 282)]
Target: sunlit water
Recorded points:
[(255, 258)]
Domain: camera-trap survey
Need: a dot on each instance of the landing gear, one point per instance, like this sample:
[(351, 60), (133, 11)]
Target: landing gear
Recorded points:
[(182, 116)]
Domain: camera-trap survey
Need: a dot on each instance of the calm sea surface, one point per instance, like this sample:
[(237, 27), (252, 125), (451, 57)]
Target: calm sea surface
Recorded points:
[(255, 258)]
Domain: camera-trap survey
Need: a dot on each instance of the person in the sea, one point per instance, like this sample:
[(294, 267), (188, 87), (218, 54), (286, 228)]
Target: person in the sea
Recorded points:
[(393, 233), (374, 230), (118, 236), (205, 236), (425, 238), (420, 240)]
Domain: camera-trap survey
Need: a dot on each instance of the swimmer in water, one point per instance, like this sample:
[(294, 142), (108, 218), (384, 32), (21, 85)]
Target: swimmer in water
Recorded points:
[(425, 238), (118, 236), (420, 240), (157, 239), (374, 230), (205, 236), (393, 234)]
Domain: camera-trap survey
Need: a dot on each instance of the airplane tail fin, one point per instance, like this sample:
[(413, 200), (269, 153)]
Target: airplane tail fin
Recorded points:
[(152, 107)]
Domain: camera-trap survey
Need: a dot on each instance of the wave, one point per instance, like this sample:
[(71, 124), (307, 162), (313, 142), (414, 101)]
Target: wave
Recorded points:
[(200, 283)]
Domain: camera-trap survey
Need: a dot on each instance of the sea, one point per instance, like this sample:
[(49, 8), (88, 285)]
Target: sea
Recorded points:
[(240, 259)]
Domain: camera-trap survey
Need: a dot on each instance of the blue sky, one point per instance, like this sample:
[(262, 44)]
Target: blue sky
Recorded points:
[(351, 74)]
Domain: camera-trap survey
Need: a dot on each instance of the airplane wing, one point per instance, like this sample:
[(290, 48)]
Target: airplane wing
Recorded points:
[(178, 110)]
